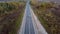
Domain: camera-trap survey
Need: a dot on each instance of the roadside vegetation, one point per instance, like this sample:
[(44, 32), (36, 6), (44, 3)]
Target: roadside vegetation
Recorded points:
[(49, 15), (11, 14)]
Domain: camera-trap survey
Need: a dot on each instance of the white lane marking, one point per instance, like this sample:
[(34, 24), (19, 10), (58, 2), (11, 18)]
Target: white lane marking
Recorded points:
[(29, 28)]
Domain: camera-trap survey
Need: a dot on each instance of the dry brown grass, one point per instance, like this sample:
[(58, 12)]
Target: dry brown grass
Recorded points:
[(11, 21), (47, 13)]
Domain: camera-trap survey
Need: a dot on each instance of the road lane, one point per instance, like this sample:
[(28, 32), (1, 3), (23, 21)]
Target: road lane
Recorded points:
[(27, 25), (29, 29)]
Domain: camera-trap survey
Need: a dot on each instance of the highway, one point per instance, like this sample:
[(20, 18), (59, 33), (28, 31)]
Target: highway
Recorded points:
[(30, 23), (29, 29)]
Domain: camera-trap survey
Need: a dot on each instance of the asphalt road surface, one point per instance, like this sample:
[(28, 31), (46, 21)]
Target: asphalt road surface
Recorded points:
[(29, 29), (30, 24)]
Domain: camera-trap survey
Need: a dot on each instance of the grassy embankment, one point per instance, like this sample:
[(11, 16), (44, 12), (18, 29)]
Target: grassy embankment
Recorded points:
[(11, 14), (49, 15)]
